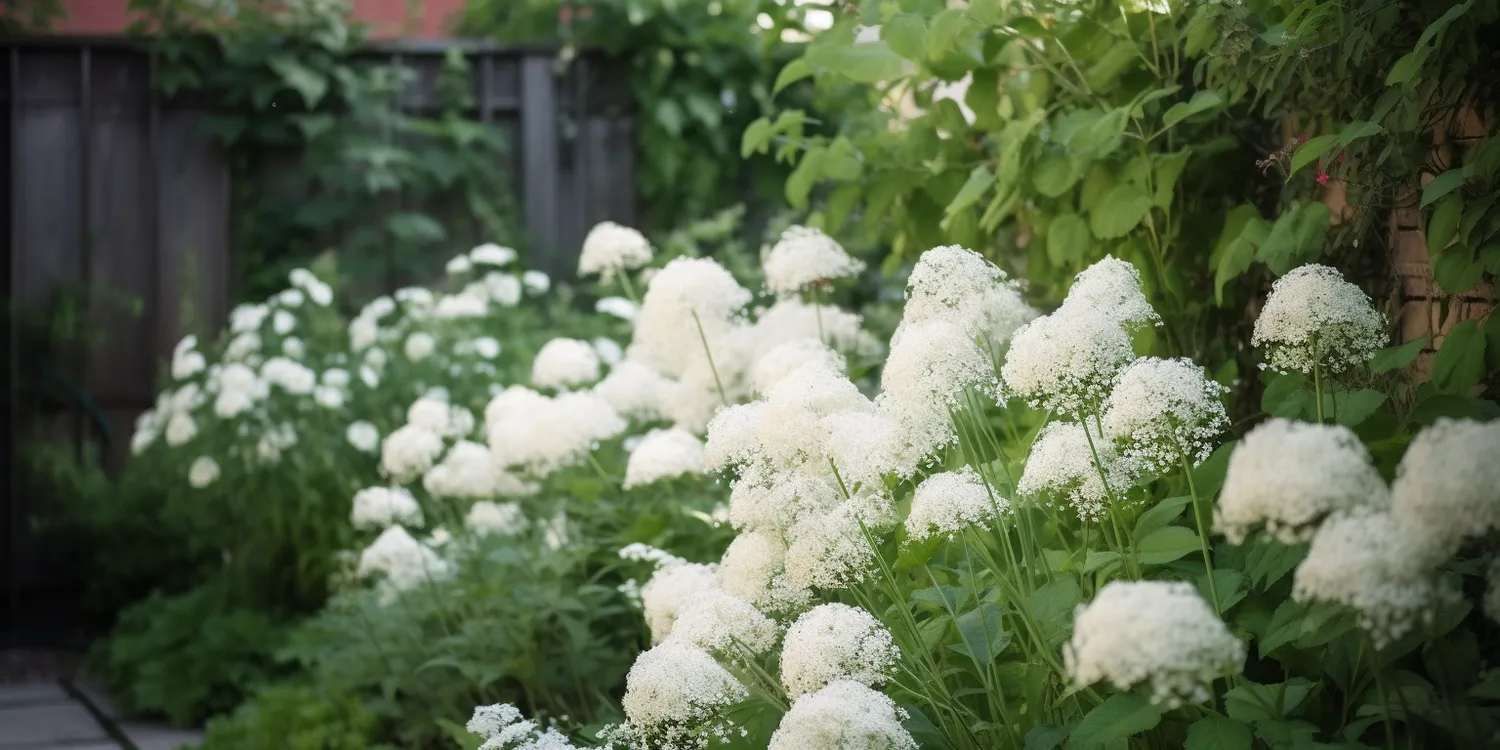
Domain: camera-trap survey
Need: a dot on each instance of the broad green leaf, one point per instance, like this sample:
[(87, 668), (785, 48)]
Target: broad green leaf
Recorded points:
[(1353, 408), (1160, 514), (865, 62), (905, 34), (1068, 239), (1100, 137), (1406, 67), (841, 162), (415, 228), (794, 71), (1251, 702), (943, 597), (1048, 737), (1268, 560), (1397, 357), (1438, 26), (1443, 184), (669, 115), (1100, 558), (1119, 717), (1202, 101), (1238, 252), (1444, 222), (1168, 168), (1209, 475), (1218, 733), (1229, 583), (987, 12), (799, 183), (983, 633), (1458, 365), (1055, 173), (1308, 625), (1357, 130), (463, 738), (309, 83), (1052, 606), (1107, 68), (979, 181), (1296, 238), (756, 137), (1457, 270), (1119, 211), (944, 31), (1310, 151), (1279, 389), (1167, 544)]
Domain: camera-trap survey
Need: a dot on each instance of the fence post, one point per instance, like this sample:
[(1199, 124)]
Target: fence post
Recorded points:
[(539, 159)]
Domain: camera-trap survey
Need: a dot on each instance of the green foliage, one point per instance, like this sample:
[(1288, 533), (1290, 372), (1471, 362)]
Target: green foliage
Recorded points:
[(296, 717), (320, 153)]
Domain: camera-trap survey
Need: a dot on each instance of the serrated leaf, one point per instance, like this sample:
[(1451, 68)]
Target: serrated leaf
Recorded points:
[(1202, 101), (1442, 185), (1309, 152), (1119, 717), (1218, 733), (1067, 239), (906, 34), (1119, 211), (1397, 357), (1167, 544), (794, 71)]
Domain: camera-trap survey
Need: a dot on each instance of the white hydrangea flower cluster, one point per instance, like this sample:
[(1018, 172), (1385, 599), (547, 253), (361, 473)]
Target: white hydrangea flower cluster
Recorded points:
[(365, 437), (958, 284), (720, 623), (754, 569), (1447, 486), (834, 642), (1314, 317), (1067, 362), (503, 728), (309, 284), (469, 472), (804, 257), (435, 414), (502, 519), (548, 433), (203, 472), (674, 696), (291, 376), (1159, 632), (664, 454), (1288, 476), (380, 507), (1114, 286), (401, 562), (931, 364), (950, 501), (844, 715), (1163, 412), (409, 452), (634, 390), (1061, 467), (187, 361), (565, 363), (610, 248)]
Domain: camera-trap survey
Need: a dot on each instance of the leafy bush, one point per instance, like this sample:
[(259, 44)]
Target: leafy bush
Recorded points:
[(297, 717)]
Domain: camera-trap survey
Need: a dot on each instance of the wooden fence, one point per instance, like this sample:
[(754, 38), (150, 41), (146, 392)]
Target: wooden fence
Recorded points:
[(106, 184)]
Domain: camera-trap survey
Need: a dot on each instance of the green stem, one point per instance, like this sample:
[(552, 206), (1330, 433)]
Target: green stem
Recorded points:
[(628, 287), (1109, 494), (719, 384), (1203, 529), (817, 295), (1318, 389)]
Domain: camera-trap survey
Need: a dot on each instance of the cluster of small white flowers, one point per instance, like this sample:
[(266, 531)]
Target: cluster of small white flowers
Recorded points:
[(931, 363), (950, 501), (958, 284), (754, 569), (610, 352), (315, 288), (187, 361), (1061, 467), (503, 728), (1289, 475), (867, 447), (419, 346), (274, 442), (1113, 287), (491, 254), (610, 248), (784, 359), (436, 415), (550, 433), (674, 693), (536, 282), (1067, 362), (1447, 486), (1365, 559), (1314, 317), (773, 501), (833, 642), (409, 452), (830, 550), (663, 454), (675, 585), (788, 429), (619, 307), (468, 472), (565, 363), (290, 376), (472, 302), (247, 317), (791, 319), (181, 427), (844, 715), (402, 561), (692, 300), (805, 256), (365, 437), (1152, 631), (1165, 411), (379, 507), (723, 624), (503, 288), (634, 390), (504, 519), (203, 472)]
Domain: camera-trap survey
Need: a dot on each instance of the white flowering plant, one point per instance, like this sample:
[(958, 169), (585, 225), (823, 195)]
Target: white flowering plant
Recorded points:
[(1048, 538)]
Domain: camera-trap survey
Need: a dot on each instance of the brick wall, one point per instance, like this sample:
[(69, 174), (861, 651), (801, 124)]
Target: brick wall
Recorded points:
[(388, 19)]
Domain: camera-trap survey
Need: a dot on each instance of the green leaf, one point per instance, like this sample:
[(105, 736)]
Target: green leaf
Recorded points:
[(1119, 211), (1068, 239), (1100, 558), (415, 228), (1458, 365), (799, 183), (669, 115), (1167, 544), (1296, 238), (1310, 151), (1052, 606), (1269, 560), (1119, 717), (905, 34), (1202, 101), (1055, 174), (945, 30), (865, 62), (945, 598), (987, 12), (756, 137), (1168, 168), (1406, 67), (983, 633), (1160, 514), (1218, 733), (1457, 270), (1045, 737), (1444, 222), (311, 84), (1251, 702), (1397, 357), (794, 71), (1443, 184), (1355, 407), (979, 181), (1100, 137), (460, 736), (1357, 130), (1238, 251), (841, 162)]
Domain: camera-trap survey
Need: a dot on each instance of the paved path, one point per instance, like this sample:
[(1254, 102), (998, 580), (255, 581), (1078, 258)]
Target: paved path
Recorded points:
[(64, 716)]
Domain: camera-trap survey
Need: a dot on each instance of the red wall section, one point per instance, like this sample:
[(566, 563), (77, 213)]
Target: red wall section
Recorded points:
[(386, 18)]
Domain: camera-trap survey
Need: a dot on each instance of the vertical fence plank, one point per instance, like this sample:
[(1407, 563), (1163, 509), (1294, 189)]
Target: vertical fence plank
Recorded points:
[(539, 160), (193, 211)]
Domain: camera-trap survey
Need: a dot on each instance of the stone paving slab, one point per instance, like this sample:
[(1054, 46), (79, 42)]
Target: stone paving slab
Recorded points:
[(149, 737), (45, 716), (48, 724), (31, 693)]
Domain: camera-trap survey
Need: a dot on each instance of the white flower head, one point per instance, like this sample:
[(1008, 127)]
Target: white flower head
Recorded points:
[(610, 352), (365, 437), (290, 298), (363, 333), (754, 569), (675, 692), (1314, 317), (1165, 411), (931, 365), (690, 302), (409, 452), (830, 550), (1287, 476), (1061, 468), (490, 254), (536, 282), (329, 397), (722, 624), (958, 284), (501, 519), (773, 501), (676, 584), (844, 715), (459, 265), (610, 248), (242, 346), (1112, 287), (950, 501), (486, 346), (1447, 485), (664, 454), (203, 472), (187, 361), (832, 642), (734, 437), (619, 307), (419, 346), (1067, 362), (1156, 632), (867, 447), (283, 322), (468, 472), (181, 427), (565, 363), (401, 561), (247, 318), (379, 507), (549, 433), (634, 390), (805, 257), (504, 288), (786, 358), (1365, 559), (460, 306)]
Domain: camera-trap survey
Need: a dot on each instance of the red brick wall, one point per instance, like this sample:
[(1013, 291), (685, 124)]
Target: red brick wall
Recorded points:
[(386, 18)]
